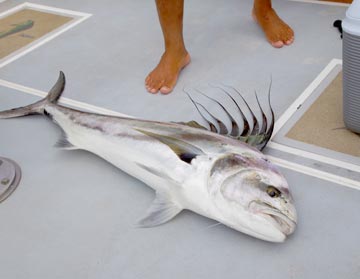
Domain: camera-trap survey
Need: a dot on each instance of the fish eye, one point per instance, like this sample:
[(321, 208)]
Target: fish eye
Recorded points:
[(273, 192)]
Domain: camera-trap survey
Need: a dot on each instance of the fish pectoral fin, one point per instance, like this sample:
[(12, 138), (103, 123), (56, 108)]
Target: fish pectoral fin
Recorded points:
[(162, 210), (184, 150), (64, 143)]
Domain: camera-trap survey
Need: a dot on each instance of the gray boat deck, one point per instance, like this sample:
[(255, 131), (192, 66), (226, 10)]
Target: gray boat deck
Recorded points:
[(73, 214)]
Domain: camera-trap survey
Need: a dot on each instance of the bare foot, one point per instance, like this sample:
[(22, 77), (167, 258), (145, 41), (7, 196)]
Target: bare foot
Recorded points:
[(163, 78), (277, 31)]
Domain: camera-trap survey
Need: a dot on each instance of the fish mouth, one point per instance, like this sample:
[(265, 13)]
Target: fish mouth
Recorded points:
[(283, 222)]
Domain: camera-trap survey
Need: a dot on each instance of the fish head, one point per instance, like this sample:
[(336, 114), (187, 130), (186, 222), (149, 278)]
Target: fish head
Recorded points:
[(252, 196)]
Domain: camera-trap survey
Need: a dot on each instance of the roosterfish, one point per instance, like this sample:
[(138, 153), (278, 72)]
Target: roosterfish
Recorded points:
[(218, 174)]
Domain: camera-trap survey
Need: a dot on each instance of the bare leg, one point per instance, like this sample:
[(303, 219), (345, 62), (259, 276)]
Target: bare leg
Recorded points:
[(163, 78), (277, 31)]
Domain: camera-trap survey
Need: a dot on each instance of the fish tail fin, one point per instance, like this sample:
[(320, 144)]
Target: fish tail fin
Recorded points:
[(38, 107)]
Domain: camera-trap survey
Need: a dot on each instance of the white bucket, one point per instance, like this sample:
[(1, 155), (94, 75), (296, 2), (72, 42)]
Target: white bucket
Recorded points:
[(351, 67)]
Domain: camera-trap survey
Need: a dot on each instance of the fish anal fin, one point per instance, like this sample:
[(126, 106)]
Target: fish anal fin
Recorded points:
[(162, 210)]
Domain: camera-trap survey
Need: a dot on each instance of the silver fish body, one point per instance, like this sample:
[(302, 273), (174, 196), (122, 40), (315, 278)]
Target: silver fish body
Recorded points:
[(189, 168)]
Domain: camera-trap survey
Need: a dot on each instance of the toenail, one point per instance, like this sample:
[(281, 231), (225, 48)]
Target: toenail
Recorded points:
[(289, 42), (165, 90), (278, 44)]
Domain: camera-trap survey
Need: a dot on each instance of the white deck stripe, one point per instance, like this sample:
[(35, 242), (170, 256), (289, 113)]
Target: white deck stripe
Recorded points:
[(56, 10), (314, 156), (322, 3), (316, 173)]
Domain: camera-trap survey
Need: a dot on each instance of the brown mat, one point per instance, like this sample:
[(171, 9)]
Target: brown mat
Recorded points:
[(322, 124), (22, 28), (339, 1)]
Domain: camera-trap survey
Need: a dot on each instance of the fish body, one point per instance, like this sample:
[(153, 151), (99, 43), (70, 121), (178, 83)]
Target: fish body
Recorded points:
[(18, 28), (189, 168)]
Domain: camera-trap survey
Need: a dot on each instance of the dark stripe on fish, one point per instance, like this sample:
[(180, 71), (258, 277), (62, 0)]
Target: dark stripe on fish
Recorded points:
[(185, 151), (187, 157)]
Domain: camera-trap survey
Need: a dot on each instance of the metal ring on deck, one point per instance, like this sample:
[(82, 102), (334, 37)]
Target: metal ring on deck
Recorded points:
[(10, 175)]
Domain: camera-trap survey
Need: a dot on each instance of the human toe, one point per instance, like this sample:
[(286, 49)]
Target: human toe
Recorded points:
[(277, 44), (290, 41), (151, 88), (157, 85), (166, 89)]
